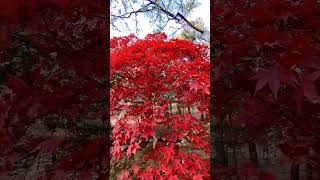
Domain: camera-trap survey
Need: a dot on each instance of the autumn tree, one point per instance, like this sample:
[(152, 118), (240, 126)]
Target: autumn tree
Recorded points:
[(149, 77)]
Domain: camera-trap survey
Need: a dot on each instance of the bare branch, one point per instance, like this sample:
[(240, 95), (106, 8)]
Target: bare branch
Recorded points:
[(177, 29), (163, 10), (128, 14), (190, 24)]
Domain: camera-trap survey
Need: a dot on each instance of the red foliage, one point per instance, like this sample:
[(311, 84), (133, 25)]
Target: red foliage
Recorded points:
[(53, 71), (266, 72), (145, 72)]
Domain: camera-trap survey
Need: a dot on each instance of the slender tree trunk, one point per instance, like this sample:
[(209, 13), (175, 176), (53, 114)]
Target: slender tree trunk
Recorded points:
[(179, 108), (308, 171), (234, 144), (166, 112), (294, 175), (221, 157), (202, 117), (253, 153)]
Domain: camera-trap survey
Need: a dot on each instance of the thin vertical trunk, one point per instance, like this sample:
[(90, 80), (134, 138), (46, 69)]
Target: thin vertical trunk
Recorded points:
[(235, 156), (202, 117), (166, 112), (253, 153), (221, 157), (234, 144), (179, 108), (308, 171), (294, 175)]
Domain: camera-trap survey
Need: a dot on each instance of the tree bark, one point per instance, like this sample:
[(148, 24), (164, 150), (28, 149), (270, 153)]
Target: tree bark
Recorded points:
[(221, 157), (202, 117), (294, 175), (308, 171), (179, 108), (253, 153)]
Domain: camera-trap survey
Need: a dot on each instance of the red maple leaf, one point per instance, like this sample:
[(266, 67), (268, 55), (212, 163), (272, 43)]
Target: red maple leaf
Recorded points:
[(132, 149), (116, 151), (135, 169), (308, 87), (195, 86), (270, 78), (273, 78)]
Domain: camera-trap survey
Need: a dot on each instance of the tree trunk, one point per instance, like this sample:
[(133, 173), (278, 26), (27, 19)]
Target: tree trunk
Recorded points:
[(221, 157), (253, 153), (202, 117), (294, 171), (308, 171), (179, 108), (166, 112), (235, 157)]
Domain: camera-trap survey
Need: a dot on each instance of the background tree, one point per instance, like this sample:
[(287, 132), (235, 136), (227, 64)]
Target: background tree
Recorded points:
[(159, 13), (189, 34)]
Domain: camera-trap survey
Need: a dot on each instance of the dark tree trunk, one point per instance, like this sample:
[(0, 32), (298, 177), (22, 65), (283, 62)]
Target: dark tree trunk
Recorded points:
[(179, 108), (166, 112), (221, 157), (202, 117), (294, 175), (253, 153), (308, 171)]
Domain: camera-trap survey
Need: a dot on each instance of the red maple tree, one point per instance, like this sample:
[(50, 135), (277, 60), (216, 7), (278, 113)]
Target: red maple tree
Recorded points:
[(148, 77)]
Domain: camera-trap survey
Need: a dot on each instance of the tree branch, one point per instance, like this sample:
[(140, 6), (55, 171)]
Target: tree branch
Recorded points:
[(175, 17), (190, 24), (128, 14)]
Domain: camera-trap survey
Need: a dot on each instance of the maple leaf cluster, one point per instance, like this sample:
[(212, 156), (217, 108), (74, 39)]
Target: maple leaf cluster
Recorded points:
[(266, 80), (149, 76)]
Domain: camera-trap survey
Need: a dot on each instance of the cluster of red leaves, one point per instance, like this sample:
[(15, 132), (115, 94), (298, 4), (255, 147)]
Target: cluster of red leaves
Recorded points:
[(144, 73), (54, 69), (267, 72)]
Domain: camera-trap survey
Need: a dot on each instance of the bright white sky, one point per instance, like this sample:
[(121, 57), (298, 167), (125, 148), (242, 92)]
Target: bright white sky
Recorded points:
[(203, 11)]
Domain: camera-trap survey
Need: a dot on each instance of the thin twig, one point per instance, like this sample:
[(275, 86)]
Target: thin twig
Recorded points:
[(128, 14)]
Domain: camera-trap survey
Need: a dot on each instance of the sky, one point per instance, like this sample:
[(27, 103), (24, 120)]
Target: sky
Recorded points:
[(203, 11)]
